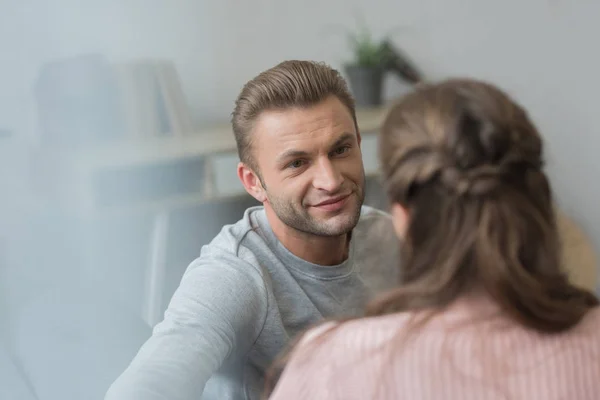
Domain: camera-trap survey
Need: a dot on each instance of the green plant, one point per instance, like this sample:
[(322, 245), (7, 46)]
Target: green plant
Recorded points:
[(367, 51)]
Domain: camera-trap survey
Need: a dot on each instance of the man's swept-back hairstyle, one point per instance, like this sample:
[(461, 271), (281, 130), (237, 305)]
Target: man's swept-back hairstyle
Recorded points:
[(292, 83)]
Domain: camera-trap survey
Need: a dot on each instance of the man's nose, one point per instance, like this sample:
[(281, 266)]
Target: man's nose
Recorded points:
[(327, 176)]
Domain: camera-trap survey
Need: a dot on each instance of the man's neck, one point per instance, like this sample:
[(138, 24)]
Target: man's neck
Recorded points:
[(320, 250)]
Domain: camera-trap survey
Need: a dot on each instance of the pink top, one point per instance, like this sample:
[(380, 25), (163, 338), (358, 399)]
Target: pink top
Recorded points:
[(457, 355)]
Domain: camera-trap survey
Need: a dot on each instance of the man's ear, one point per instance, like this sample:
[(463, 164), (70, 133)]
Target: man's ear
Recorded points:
[(251, 182), (400, 219)]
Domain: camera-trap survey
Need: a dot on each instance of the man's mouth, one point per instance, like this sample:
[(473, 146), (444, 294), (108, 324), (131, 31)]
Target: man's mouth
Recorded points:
[(333, 204)]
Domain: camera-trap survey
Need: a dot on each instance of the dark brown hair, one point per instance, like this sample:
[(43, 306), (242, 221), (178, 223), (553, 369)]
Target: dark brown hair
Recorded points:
[(466, 163), (292, 83)]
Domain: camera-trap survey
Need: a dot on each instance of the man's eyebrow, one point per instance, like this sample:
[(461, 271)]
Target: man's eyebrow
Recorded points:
[(344, 138), (290, 154)]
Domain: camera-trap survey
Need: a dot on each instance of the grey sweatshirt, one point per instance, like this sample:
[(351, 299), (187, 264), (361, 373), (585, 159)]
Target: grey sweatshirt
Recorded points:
[(243, 300)]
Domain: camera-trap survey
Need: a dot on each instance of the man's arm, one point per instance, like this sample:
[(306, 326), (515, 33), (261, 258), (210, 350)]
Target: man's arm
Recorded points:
[(219, 306)]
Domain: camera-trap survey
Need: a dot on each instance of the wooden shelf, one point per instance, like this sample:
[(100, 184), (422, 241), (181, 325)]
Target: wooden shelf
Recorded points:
[(209, 141), (69, 177)]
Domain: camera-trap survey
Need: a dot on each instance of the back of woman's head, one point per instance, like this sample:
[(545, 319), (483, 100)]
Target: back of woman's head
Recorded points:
[(465, 162)]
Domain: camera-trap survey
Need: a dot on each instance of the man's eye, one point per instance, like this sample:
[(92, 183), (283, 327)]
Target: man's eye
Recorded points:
[(296, 164), (340, 150)]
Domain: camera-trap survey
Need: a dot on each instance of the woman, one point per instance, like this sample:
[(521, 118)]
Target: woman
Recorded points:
[(484, 310)]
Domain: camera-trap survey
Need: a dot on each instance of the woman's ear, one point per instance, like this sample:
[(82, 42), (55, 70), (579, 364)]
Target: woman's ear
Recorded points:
[(399, 219)]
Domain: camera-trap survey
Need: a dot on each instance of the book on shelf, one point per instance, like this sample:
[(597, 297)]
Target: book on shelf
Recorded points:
[(77, 101), (87, 100), (153, 100)]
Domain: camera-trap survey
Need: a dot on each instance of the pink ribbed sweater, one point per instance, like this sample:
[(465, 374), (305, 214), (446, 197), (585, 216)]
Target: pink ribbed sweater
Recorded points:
[(458, 355)]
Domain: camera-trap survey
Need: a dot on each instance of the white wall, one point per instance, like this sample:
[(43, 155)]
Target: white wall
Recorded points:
[(542, 51)]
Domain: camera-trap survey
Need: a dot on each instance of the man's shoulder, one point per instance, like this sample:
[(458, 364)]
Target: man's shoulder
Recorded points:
[(232, 236), (237, 246), (227, 259)]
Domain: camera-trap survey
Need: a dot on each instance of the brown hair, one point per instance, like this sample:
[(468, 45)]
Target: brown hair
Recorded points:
[(466, 163), (292, 83)]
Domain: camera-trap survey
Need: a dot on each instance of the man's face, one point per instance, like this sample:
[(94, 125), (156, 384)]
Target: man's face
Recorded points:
[(311, 167)]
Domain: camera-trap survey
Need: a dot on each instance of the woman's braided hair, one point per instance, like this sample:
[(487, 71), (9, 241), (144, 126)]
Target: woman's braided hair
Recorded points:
[(466, 163)]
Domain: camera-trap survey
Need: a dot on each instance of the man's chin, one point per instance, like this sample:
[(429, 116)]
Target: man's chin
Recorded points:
[(341, 224)]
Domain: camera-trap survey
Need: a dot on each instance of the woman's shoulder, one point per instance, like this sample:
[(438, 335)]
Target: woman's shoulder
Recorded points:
[(591, 321), (364, 334), (360, 333)]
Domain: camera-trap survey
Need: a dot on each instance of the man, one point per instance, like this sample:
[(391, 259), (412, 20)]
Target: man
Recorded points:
[(308, 253)]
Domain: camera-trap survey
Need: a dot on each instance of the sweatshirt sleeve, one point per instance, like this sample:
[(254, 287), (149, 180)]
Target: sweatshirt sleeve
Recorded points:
[(219, 308)]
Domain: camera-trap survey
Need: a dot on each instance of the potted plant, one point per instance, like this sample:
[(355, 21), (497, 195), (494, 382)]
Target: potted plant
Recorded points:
[(366, 71), (372, 59)]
